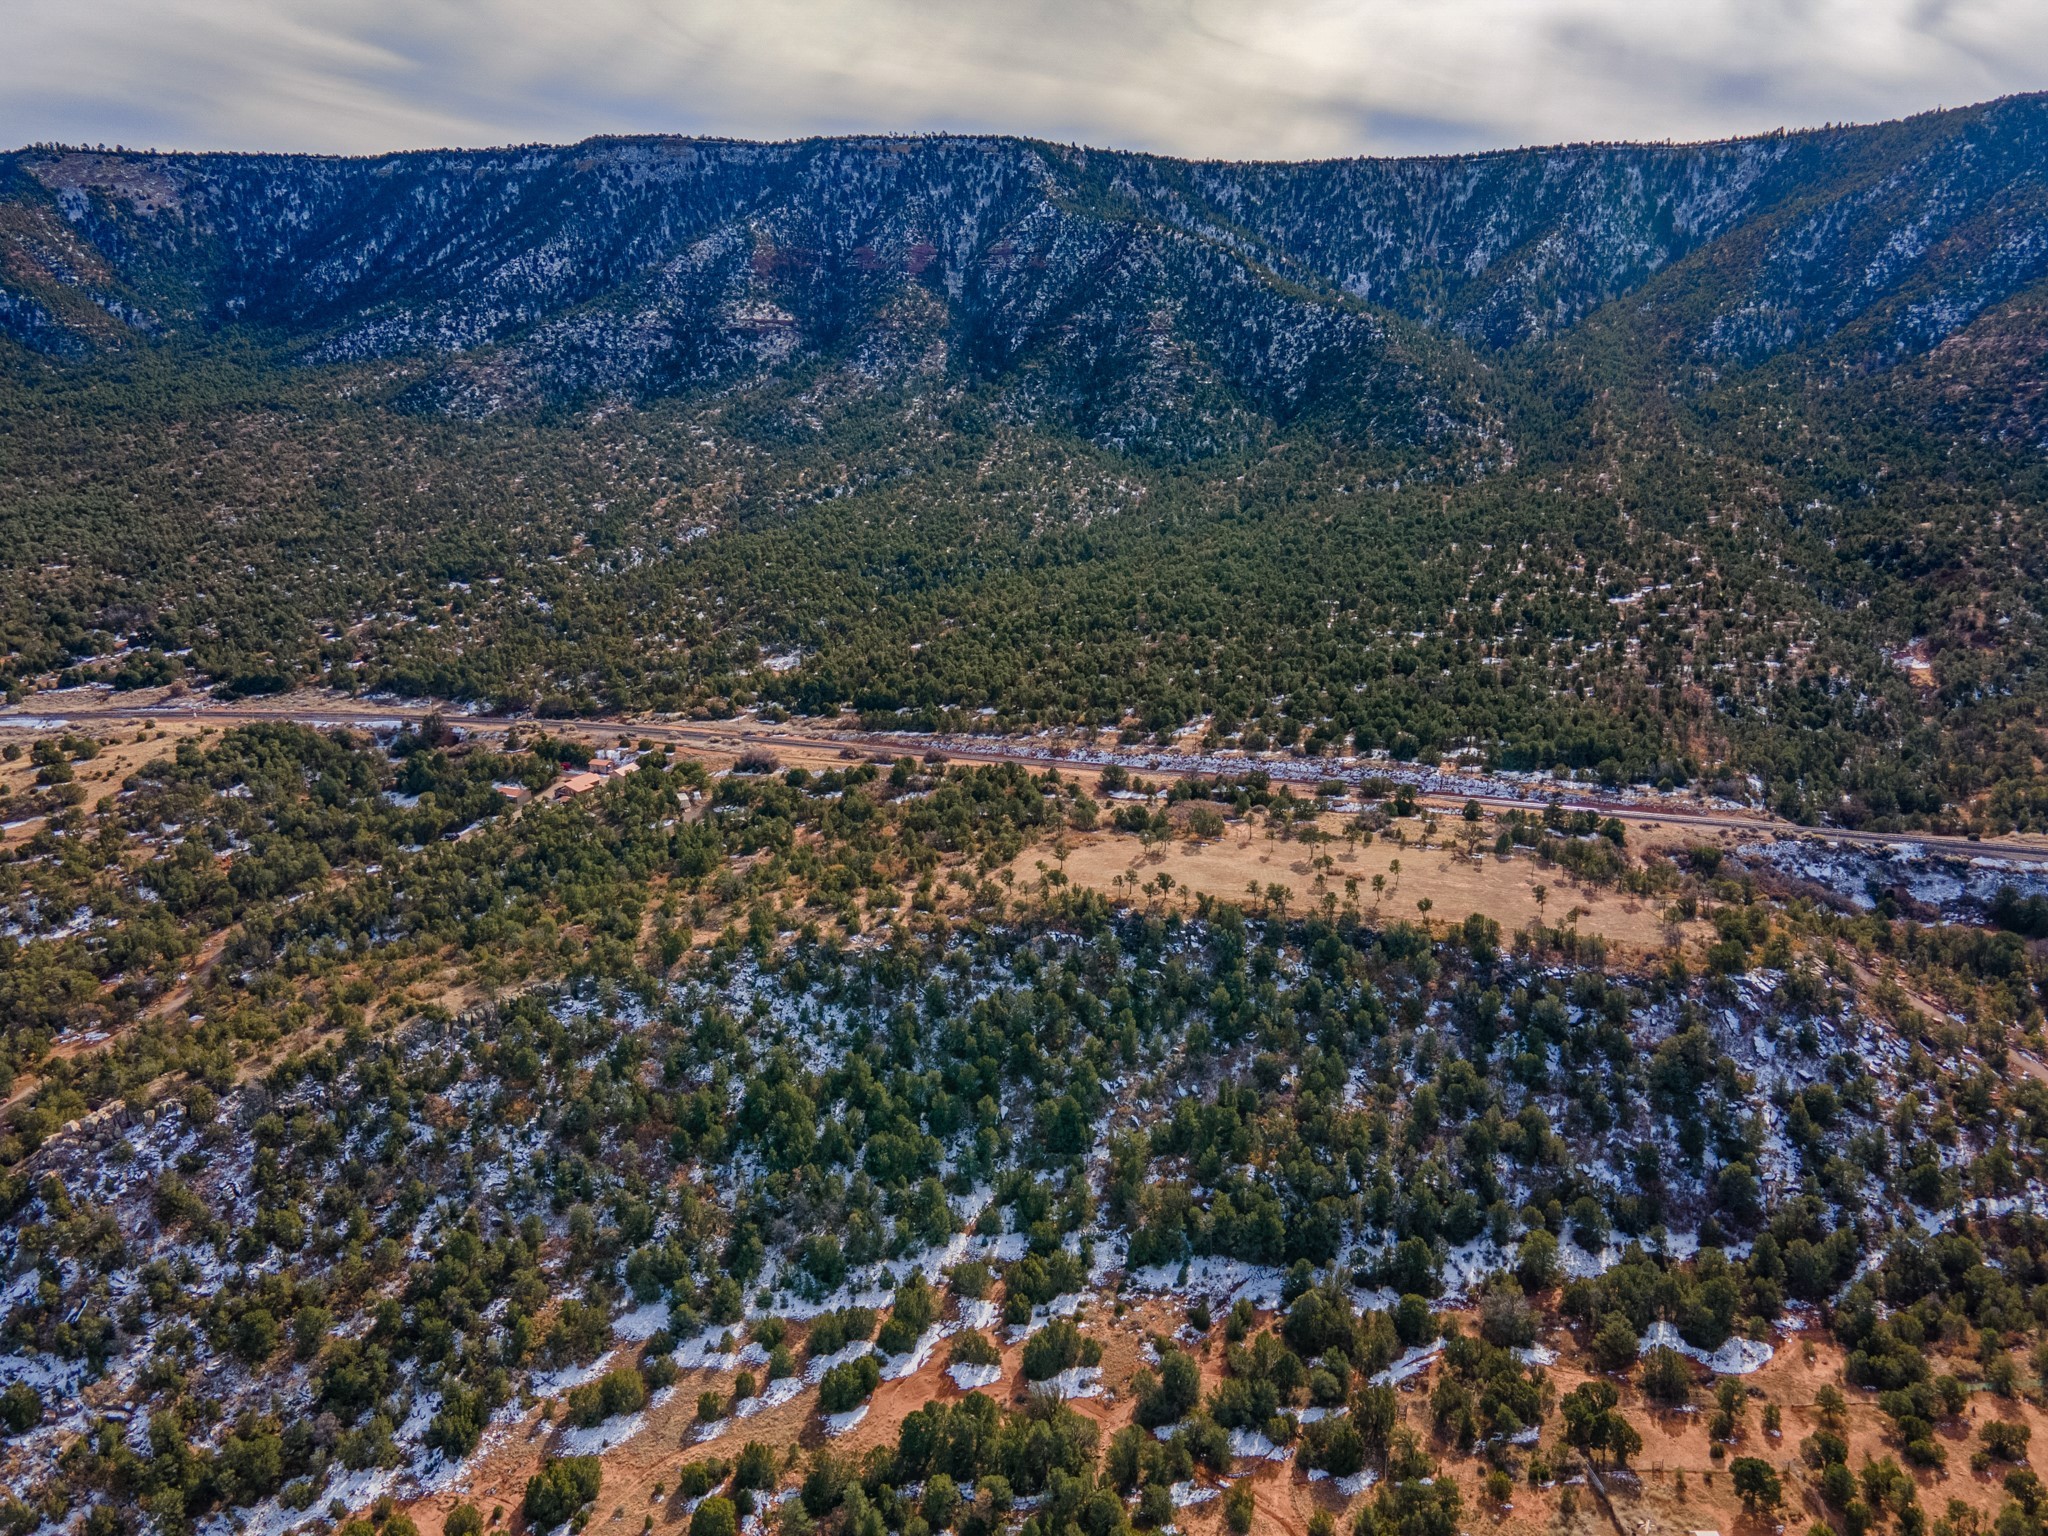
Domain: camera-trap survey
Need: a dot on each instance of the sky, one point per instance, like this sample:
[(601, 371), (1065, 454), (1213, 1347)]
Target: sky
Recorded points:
[(1268, 79)]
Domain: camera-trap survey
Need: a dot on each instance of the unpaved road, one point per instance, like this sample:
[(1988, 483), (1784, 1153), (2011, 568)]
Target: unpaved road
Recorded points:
[(89, 710)]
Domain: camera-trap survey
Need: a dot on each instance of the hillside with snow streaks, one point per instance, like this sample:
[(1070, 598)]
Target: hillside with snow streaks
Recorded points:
[(1144, 300)]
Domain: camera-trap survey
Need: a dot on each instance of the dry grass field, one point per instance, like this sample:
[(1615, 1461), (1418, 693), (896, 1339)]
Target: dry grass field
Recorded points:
[(1382, 880), (125, 745)]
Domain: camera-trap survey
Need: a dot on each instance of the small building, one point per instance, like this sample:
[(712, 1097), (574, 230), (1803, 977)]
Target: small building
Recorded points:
[(571, 785)]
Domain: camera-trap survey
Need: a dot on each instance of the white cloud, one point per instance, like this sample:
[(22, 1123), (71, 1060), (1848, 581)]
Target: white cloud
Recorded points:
[(1242, 78)]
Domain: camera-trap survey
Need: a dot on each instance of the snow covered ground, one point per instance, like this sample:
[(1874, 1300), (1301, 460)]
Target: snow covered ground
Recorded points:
[(1735, 1357), (1960, 889)]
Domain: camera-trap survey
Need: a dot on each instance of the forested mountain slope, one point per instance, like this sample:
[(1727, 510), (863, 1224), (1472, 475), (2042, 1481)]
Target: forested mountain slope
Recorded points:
[(1649, 462), (654, 264)]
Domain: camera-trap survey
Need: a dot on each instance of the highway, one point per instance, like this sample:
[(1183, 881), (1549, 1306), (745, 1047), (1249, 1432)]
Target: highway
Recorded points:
[(88, 711)]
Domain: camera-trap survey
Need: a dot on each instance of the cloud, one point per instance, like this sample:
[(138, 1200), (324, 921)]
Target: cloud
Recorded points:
[(1234, 78)]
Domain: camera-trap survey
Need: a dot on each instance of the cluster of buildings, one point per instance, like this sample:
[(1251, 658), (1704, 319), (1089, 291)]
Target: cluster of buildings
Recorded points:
[(605, 765)]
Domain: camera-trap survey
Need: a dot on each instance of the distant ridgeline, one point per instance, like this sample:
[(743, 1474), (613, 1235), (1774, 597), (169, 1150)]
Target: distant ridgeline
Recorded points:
[(1664, 463)]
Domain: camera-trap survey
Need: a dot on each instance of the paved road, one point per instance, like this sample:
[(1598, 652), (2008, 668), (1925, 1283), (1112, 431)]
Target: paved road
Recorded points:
[(1430, 785)]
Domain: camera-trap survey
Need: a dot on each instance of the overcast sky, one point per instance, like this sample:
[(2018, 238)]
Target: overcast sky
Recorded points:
[(1242, 78)]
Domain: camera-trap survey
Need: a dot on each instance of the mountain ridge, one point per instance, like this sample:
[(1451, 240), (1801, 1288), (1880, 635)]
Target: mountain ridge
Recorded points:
[(648, 265)]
